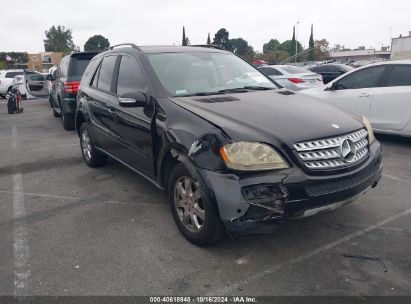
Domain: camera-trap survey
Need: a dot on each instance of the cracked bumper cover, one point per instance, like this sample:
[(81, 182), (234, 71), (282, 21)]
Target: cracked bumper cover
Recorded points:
[(294, 193)]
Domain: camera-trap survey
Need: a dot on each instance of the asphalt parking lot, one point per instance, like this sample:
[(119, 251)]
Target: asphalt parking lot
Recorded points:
[(66, 229)]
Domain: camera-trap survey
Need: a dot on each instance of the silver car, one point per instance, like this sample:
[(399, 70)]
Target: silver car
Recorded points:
[(292, 77)]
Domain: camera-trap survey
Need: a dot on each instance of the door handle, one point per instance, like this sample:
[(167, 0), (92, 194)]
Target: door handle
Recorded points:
[(364, 95)]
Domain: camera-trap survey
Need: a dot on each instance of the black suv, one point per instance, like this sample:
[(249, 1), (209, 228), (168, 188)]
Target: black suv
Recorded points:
[(233, 151), (66, 80)]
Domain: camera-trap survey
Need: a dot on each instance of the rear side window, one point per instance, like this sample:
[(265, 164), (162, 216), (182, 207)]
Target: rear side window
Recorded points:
[(367, 78), (105, 75), (13, 74), (130, 76), (400, 76), (270, 72)]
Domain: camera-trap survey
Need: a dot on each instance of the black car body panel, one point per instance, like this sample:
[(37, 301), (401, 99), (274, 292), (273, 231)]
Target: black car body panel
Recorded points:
[(331, 71), (245, 117), (70, 69), (192, 129)]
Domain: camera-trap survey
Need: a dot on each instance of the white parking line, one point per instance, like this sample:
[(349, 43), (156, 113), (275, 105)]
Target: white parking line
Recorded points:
[(73, 198), (50, 148), (396, 178), (22, 272), (41, 195), (231, 289)]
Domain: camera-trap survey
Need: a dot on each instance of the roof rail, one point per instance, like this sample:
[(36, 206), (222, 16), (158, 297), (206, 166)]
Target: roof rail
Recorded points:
[(123, 44), (213, 46)]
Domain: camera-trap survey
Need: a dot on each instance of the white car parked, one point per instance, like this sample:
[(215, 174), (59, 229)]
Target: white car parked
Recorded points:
[(6, 80), (380, 91), (292, 77)]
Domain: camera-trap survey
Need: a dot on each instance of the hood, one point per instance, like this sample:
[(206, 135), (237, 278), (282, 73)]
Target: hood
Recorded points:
[(271, 116)]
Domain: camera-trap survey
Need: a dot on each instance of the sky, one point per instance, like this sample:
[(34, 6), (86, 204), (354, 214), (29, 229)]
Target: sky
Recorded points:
[(351, 23)]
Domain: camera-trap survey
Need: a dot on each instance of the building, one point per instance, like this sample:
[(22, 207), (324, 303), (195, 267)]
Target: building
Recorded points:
[(43, 61), (360, 55), (401, 47)]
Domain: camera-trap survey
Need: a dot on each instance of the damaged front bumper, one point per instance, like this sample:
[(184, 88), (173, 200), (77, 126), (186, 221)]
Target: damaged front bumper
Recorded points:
[(257, 201)]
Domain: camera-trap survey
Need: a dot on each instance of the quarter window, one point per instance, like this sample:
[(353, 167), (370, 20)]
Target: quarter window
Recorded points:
[(400, 76), (106, 73), (367, 78)]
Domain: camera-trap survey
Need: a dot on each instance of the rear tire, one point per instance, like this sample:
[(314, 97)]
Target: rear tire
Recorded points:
[(67, 119), (92, 157), (194, 213)]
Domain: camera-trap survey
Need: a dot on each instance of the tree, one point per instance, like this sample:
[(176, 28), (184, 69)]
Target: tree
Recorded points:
[(321, 49), (208, 39), (59, 39), (185, 41), (323, 45), (311, 55), (289, 47), (222, 38), (96, 43), (17, 59), (241, 47), (337, 48), (292, 50), (271, 46)]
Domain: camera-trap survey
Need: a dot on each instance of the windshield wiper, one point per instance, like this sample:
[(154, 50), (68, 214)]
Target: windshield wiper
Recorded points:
[(244, 89), (257, 88)]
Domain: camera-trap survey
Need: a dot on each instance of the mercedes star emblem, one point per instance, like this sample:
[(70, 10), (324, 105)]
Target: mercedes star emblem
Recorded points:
[(348, 150)]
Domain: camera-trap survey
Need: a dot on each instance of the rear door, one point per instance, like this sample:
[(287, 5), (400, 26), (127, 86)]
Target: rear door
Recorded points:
[(355, 91), (36, 84), (101, 100), (391, 105)]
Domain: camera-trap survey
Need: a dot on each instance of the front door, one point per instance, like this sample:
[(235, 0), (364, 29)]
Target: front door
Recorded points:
[(132, 125), (355, 91)]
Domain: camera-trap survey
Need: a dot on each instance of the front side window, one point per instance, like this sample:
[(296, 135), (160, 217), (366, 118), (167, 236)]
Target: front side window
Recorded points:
[(400, 76), (130, 76), (106, 73), (205, 72), (366, 78)]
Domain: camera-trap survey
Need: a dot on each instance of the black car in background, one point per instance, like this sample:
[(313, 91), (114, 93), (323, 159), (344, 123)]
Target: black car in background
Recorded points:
[(65, 82), (233, 151), (330, 71)]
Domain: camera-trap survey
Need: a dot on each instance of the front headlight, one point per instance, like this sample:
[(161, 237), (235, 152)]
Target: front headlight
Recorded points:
[(249, 156), (368, 126)]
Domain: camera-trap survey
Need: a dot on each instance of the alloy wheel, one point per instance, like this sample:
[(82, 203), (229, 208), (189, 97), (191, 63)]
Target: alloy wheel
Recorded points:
[(189, 204), (85, 144)]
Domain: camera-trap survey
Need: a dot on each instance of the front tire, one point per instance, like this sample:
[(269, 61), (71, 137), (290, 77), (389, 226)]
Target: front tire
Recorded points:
[(194, 213), (92, 157)]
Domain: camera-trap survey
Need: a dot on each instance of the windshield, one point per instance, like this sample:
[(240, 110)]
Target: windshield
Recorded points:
[(195, 73)]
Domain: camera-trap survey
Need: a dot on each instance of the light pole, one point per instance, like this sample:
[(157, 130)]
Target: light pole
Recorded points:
[(296, 35)]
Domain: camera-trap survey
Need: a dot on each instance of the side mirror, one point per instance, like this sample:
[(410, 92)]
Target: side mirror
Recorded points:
[(136, 99), (49, 77), (333, 87)]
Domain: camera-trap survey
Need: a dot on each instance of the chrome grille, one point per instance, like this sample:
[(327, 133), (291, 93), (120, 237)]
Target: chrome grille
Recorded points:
[(327, 153)]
